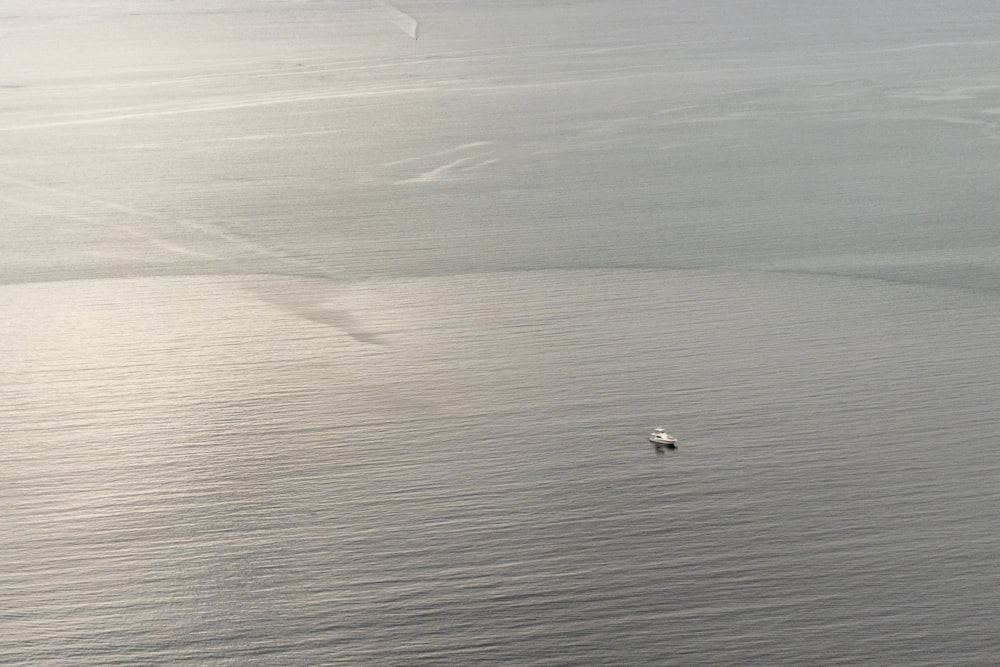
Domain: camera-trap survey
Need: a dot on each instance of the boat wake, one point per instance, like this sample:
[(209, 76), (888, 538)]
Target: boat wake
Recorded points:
[(165, 245), (401, 19)]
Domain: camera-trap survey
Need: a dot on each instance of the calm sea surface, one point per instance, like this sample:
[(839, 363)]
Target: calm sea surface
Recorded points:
[(325, 345)]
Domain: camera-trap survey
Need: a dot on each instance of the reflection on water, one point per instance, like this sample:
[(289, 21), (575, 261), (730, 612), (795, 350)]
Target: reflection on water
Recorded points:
[(198, 475), (324, 344)]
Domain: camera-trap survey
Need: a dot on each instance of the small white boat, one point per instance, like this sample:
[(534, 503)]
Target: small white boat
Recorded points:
[(659, 436)]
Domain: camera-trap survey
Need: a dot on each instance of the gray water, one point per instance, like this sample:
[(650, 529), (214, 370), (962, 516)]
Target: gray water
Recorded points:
[(325, 345)]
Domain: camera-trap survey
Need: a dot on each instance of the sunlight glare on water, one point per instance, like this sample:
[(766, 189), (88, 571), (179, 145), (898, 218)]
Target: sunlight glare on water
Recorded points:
[(333, 333)]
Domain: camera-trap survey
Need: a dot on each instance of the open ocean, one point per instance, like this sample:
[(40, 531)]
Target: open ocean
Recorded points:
[(331, 332)]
